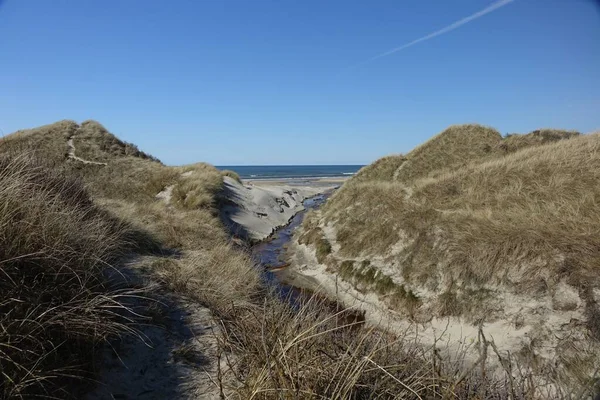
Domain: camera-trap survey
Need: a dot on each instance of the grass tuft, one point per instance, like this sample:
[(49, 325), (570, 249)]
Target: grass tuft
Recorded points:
[(56, 302), (232, 174)]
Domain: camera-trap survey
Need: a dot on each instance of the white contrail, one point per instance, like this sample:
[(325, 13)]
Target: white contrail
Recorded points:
[(451, 27)]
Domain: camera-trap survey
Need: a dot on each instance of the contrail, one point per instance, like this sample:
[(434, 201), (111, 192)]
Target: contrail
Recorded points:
[(451, 27)]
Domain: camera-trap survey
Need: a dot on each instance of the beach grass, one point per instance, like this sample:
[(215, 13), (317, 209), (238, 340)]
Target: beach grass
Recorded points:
[(67, 226), (57, 303)]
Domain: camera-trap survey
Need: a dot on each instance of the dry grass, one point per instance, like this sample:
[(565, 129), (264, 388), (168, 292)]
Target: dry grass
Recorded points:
[(529, 202), (93, 142), (468, 211), (311, 353), (314, 235), (453, 148), (73, 242), (515, 142), (381, 170), (521, 206), (523, 215), (232, 174), (275, 351), (56, 303), (48, 142), (198, 187), (130, 180)]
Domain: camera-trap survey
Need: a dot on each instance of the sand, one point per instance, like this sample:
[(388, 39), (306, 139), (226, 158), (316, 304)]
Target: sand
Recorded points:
[(554, 335), (180, 359), (256, 208), (306, 182)]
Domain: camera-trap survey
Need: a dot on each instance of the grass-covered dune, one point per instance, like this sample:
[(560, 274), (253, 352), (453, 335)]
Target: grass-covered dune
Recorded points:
[(477, 229), (100, 243), (76, 203)]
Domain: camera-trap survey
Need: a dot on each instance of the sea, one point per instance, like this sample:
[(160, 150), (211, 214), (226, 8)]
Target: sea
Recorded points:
[(291, 171)]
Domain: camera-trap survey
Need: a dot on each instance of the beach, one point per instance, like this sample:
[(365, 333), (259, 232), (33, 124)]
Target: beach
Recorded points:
[(313, 182), (255, 208)]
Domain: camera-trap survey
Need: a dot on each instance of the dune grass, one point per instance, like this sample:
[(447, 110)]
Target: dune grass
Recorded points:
[(232, 174), (512, 143), (48, 142), (56, 301), (93, 142), (521, 215), (465, 218), (59, 246), (485, 218), (454, 147), (272, 350), (58, 242), (382, 169), (130, 180), (519, 199)]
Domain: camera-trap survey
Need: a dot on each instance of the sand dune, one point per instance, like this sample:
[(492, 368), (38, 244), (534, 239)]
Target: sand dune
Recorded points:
[(254, 211)]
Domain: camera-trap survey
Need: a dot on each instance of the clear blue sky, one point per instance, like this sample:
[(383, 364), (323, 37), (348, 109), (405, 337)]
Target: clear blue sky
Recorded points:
[(269, 82)]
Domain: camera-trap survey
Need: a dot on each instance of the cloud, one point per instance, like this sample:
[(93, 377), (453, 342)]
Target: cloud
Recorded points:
[(451, 27)]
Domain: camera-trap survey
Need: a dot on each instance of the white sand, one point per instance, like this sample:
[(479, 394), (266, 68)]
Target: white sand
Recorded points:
[(255, 210)]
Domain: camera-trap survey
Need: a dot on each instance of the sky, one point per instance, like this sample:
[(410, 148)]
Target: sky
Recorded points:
[(240, 82)]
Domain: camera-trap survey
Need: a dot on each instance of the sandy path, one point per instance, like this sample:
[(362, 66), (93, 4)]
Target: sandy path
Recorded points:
[(175, 357), (74, 157)]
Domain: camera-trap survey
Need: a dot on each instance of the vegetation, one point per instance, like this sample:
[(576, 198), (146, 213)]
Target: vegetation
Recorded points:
[(469, 220), (63, 241), (59, 246), (538, 137), (381, 170), (451, 149), (232, 174), (56, 302), (456, 146), (314, 235), (526, 201), (94, 142)]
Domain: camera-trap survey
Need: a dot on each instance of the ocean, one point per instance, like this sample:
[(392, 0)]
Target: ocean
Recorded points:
[(291, 171)]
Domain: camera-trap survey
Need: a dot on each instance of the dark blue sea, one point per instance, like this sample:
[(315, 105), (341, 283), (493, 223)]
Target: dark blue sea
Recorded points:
[(291, 171)]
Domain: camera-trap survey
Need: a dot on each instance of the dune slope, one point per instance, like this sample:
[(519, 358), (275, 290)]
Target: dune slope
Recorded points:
[(470, 230)]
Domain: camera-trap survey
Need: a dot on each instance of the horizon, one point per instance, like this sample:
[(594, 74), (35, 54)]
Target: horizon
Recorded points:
[(270, 83)]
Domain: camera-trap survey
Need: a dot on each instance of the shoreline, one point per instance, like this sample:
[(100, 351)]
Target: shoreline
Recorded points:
[(314, 182)]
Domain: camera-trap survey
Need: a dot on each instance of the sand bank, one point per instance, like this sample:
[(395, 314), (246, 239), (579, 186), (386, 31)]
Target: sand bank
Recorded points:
[(255, 209)]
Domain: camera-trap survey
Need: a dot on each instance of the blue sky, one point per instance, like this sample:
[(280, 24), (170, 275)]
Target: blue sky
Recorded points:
[(275, 82)]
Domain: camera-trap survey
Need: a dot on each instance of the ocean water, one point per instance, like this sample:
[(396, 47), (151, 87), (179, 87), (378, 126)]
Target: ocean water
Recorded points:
[(291, 171)]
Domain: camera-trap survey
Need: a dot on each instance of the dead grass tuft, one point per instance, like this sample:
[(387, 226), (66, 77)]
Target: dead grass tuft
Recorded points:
[(232, 174), (94, 142), (56, 303), (381, 170), (512, 143), (455, 147), (479, 219)]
